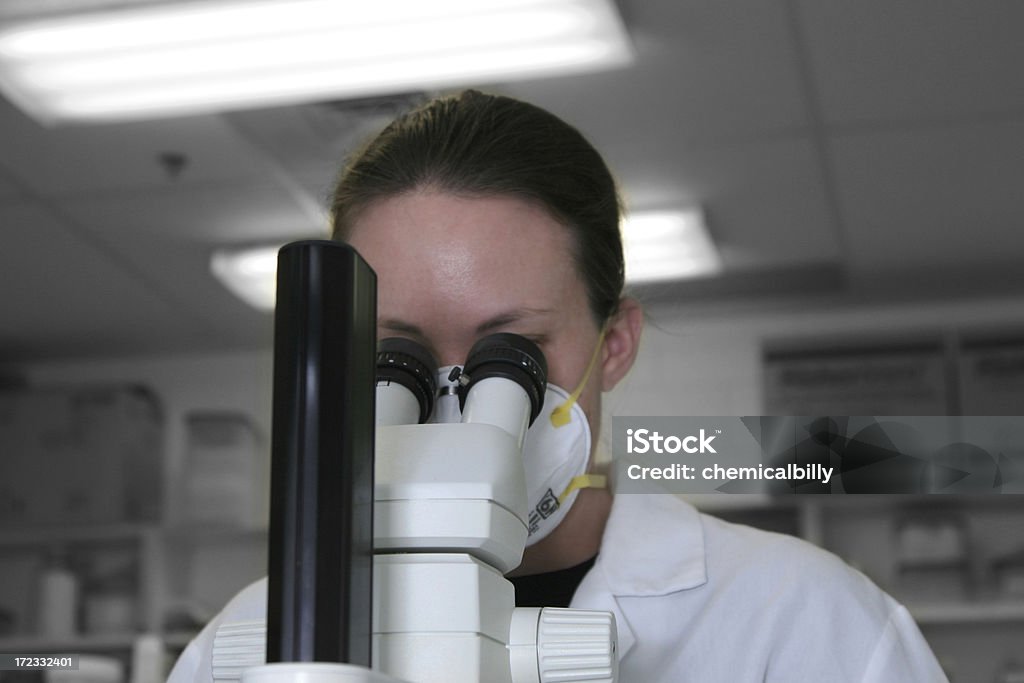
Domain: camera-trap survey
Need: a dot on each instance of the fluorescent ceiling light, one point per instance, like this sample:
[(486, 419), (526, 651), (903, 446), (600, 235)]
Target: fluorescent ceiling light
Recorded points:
[(249, 273), (668, 245), (189, 57), (664, 245)]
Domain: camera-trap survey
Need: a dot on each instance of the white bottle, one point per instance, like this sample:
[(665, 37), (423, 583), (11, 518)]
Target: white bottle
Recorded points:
[(149, 660), (58, 602)]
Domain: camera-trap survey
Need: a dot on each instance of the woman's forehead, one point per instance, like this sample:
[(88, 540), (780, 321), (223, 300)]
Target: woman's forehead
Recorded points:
[(427, 214), (453, 268), (463, 245)]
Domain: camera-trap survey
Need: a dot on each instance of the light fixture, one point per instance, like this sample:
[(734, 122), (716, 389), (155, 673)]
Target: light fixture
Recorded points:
[(191, 57), (668, 245), (249, 273), (662, 245)]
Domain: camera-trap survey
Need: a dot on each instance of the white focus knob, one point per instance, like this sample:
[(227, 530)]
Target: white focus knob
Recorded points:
[(569, 645), (577, 645)]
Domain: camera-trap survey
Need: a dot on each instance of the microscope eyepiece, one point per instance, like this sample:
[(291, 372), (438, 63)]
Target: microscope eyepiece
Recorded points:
[(404, 362), (508, 356)]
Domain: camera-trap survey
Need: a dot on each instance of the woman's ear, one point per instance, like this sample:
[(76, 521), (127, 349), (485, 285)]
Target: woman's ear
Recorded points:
[(621, 342)]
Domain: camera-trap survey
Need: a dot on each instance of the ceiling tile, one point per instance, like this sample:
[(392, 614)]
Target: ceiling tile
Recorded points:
[(170, 234), (211, 215), (877, 60), (765, 201), (933, 197), (767, 205), (316, 138), (69, 296), (79, 159), (706, 71), (181, 267), (9, 190)]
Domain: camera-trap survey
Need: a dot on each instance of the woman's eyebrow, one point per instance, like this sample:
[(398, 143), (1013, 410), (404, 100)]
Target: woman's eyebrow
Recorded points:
[(400, 326), (498, 321), (509, 317)]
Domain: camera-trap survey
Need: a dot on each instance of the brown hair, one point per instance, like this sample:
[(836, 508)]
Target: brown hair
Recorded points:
[(479, 144)]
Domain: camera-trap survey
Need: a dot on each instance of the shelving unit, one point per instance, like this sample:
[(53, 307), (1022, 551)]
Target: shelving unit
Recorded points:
[(135, 547), (79, 460), (113, 643), (980, 612), (169, 563)]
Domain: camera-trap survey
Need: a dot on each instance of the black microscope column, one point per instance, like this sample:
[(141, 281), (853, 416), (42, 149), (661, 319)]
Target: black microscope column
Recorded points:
[(319, 598)]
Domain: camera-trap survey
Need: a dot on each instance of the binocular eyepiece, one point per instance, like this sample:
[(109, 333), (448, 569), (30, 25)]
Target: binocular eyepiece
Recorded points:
[(408, 365), (502, 382)]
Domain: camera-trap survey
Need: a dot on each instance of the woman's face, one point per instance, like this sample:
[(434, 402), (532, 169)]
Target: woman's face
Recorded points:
[(453, 269)]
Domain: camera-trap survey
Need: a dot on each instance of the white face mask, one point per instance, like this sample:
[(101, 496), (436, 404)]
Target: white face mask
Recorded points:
[(556, 461), (556, 452)]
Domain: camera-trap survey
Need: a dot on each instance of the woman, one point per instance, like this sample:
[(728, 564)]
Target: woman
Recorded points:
[(483, 214)]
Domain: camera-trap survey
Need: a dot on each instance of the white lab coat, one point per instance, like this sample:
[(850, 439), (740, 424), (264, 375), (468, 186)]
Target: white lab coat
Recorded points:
[(700, 600)]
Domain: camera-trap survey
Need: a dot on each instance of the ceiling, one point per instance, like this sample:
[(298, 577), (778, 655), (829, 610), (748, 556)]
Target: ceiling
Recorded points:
[(857, 150)]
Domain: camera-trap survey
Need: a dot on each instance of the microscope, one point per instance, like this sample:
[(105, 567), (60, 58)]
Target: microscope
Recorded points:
[(398, 504)]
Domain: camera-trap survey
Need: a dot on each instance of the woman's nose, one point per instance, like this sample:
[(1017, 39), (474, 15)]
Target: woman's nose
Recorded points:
[(446, 358), (447, 353)]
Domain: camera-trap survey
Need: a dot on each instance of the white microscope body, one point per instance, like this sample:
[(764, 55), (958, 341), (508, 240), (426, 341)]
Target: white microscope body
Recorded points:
[(450, 519)]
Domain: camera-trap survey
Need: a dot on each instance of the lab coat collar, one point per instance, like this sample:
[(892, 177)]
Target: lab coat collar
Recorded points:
[(653, 544)]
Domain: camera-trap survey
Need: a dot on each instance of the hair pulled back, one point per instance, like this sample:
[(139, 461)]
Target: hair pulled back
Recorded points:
[(486, 145)]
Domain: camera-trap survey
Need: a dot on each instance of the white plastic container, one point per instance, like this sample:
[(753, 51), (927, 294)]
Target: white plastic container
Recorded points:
[(58, 603)]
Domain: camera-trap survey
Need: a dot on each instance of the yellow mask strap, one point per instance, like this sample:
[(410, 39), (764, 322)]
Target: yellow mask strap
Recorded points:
[(584, 481), (561, 415)]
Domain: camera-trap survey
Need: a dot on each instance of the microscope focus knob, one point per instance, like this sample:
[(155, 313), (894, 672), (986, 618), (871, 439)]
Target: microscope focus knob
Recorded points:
[(570, 645)]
